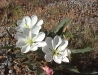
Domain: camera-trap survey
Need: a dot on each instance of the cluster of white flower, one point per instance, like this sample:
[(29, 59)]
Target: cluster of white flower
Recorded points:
[(28, 35), (56, 49), (29, 38)]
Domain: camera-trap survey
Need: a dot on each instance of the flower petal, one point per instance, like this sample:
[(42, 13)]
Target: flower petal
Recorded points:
[(25, 49), (57, 59), (41, 44), (49, 42), (19, 22), (26, 31), (56, 42), (21, 28), (65, 59), (20, 43), (33, 35), (66, 52), (69, 51), (34, 47), (27, 21), (46, 49), (36, 29), (40, 23), (34, 19), (63, 53), (19, 36), (63, 45), (48, 57), (40, 36), (18, 28), (66, 43)]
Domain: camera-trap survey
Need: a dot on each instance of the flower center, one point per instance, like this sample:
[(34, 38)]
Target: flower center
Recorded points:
[(55, 52), (29, 41), (26, 25)]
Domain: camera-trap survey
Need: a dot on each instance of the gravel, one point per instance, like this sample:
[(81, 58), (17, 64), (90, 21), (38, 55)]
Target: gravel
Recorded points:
[(8, 65)]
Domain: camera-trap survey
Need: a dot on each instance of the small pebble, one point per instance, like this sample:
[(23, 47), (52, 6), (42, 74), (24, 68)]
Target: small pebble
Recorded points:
[(0, 50), (1, 35), (2, 66), (3, 70), (10, 71), (10, 59), (9, 63), (5, 63)]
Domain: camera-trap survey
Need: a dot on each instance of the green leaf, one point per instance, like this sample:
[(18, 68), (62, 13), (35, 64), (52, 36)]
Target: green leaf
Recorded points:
[(40, 71), (39, 52), (62, 24), (89, 73), (72, 69), (88, 49)]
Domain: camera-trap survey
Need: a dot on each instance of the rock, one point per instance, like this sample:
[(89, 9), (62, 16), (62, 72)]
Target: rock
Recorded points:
[(10, 71)]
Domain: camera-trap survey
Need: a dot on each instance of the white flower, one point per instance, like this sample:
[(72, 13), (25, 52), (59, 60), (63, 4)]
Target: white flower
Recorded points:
[(56, 50), (29, 41), (29, 23)]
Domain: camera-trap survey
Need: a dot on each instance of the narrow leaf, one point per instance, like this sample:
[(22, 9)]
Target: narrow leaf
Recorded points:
[(61, 24), (88, 49), (74, 70)]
